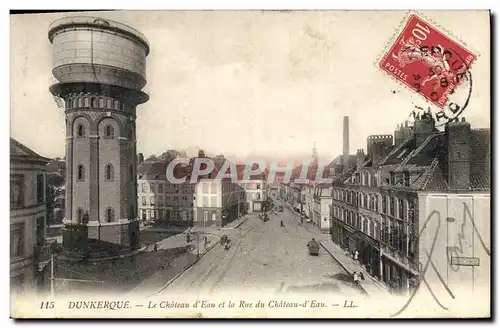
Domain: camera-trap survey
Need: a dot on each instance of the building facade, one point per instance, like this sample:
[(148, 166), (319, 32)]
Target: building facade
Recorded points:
[(28, 215), (387, 207), (322, 198), (100, 67), (162, 202), (255, 190), (218, 202)]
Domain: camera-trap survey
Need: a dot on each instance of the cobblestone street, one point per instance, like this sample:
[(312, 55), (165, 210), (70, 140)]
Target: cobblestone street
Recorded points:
[(265, 257)]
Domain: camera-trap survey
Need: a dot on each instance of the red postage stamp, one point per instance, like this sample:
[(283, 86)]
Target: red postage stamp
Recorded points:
[(427, 61)]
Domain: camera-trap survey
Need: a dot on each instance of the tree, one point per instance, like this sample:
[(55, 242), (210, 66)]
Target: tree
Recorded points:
[(169, 155), (152, 158)]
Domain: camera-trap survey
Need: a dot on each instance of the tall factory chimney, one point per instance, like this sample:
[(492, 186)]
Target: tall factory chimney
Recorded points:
[(345, 140)]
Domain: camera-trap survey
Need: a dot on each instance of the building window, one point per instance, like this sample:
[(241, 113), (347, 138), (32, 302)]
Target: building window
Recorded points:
[(75, 103), (143, 187), (143, 214), (17, 240), (81, 173), (258, 185), (117, 105), (109, 131), (131, 172), (393, 178), (152, 187), (401, 213), (144, 200), (80, 131), (86, 102), (95, 103), (372, 229), (160, 188), (258, 196), (152, 200), (69, 104), (102, 103), (109, 174), (16, 191), (406, 175), (109, 103), (384, 204), (40, 189), (109, 214), (152, 214), (391, 206)]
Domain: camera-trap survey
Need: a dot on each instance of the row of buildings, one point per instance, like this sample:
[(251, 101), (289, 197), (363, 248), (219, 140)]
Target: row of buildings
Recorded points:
[(419, 194), (208, 202)]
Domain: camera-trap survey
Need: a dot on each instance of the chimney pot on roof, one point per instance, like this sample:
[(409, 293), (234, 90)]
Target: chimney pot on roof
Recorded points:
[(463, 119)]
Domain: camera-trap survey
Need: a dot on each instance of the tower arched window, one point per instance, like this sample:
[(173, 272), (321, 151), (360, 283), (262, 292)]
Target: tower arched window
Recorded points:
[(75, 103), (109, 131), (69, 104), (79, 215), (80, 131), (109, 174), (86, 102), (109, 103), (102, 103), (110, 214), (81, 172), (117, 105), (122, 107), (95, 103), (80, 101)]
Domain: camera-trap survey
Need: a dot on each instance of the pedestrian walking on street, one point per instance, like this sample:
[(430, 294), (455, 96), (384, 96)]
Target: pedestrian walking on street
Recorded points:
[(355, 277)]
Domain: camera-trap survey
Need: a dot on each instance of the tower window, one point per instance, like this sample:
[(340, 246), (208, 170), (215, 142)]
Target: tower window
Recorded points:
[(102, 103), (95, 103), (79, 215), (109, 172), (109, 131), (109, 214), (69, 104), (80, 131), (117, 105), (81, 172), (109, 103), (75, 103), (86, 102)]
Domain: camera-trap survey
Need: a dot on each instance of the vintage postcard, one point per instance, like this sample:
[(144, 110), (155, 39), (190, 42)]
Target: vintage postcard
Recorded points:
[(250, 164)]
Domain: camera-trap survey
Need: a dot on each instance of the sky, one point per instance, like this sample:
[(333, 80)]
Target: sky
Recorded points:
[(249, 83)]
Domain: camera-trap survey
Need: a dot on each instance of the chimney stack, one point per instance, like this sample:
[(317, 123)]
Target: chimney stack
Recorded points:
[(140, 158), (345, 141), (360, 158), (458, 135)]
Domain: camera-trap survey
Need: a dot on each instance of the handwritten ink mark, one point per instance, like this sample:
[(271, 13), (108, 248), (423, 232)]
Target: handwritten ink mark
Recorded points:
[(426, 266)]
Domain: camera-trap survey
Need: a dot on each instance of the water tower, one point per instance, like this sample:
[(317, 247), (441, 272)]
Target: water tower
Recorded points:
[(100, 67)]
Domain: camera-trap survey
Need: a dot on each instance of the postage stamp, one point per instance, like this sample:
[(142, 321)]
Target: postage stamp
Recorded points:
[(427, 61)]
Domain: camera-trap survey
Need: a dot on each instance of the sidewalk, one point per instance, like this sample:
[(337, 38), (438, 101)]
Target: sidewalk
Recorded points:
[(371, 285)]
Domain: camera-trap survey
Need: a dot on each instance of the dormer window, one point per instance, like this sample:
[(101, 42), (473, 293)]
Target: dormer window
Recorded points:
[(406, 175)]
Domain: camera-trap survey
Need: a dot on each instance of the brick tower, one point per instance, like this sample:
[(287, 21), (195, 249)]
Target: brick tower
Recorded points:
[(100, 68)]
